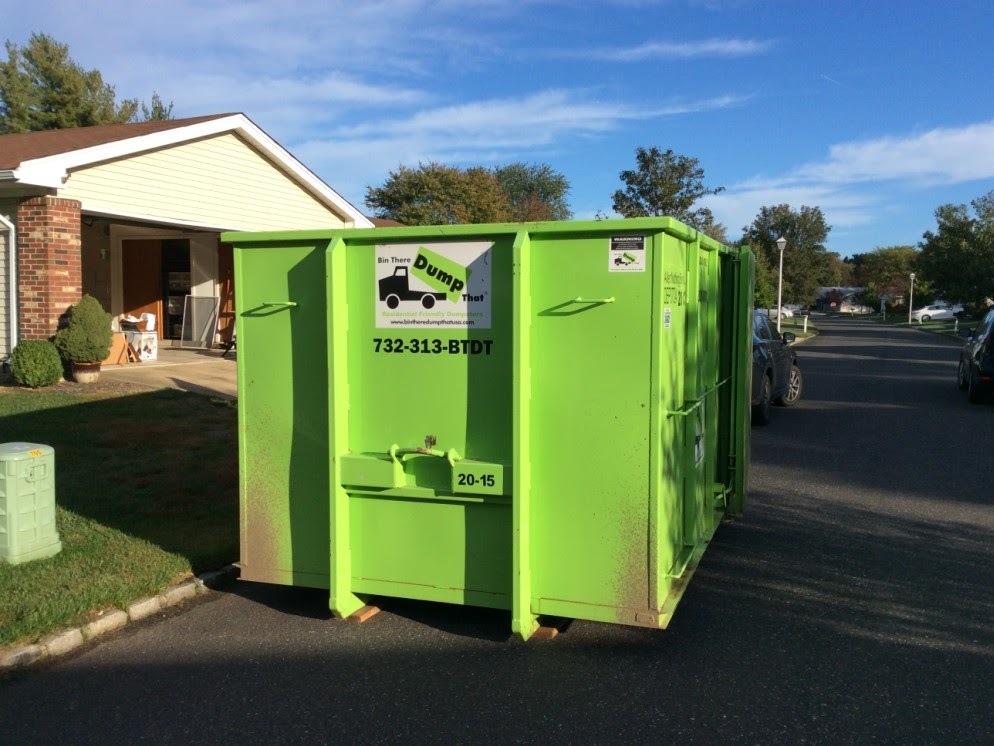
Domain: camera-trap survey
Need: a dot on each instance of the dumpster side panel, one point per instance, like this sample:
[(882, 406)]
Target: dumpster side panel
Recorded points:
[(715, 355), (283, 413), (591, 398), (671, 313), (432, 549)]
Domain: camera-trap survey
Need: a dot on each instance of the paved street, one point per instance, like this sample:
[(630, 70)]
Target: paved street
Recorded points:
[(851, 604)]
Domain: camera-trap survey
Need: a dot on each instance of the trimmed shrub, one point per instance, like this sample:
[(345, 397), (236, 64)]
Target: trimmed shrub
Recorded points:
[(35, 363), (88, 335)]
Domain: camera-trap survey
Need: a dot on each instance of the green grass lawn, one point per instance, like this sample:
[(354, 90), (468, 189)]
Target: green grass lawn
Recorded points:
[(796, 325), (948, 327), (146, 491)]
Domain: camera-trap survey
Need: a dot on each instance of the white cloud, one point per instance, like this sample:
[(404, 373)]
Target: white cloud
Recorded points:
[(293, 107), (737, 207), (855, 184), (946, 155), (682, 50), (527, 121), (480, 132)]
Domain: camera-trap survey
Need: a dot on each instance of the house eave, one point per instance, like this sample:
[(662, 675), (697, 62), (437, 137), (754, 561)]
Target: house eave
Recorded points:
[(51, 172), (36, 174)]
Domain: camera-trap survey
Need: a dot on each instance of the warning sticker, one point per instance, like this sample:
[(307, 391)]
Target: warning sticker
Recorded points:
[(444, 285), (626, 254)]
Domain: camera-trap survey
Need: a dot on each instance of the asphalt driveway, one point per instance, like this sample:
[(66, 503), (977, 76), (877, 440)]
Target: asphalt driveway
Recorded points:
[(852, 603)]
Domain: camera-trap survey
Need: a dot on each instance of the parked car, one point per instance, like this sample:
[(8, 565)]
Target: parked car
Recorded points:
[(776, 376), (936, 311), (975, 373)]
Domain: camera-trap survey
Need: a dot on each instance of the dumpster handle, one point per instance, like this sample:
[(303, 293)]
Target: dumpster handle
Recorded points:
[(450, 455), (279, 304), (682, 568), (593, 300), (690, 406)]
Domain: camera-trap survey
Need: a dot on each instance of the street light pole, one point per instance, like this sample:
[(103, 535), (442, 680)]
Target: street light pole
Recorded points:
[(911, 298), (781, 245)]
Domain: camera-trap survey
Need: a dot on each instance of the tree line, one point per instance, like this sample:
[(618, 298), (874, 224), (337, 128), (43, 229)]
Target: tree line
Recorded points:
[(954, 262), (42, 88)]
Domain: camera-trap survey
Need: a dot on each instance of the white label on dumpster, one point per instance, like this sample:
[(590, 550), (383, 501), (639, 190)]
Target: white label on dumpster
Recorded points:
[(626, 254), (433, 285)]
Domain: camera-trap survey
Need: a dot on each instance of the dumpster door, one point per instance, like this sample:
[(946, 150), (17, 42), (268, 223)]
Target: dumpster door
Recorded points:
[(591, 401), (283, 413)]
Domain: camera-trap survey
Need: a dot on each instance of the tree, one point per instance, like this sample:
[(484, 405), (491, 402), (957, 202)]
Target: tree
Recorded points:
[(841, 271), (536, 192), (665, 183), (884, 272), (956, 258), (807, 264), (435, 194), (41, 88), (765, 284), (158, 110)]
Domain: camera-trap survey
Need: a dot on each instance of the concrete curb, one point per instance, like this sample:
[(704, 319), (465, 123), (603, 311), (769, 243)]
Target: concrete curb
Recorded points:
[(66, 641)]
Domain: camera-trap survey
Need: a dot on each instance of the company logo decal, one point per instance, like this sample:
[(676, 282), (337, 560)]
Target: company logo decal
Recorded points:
[(443, 285)]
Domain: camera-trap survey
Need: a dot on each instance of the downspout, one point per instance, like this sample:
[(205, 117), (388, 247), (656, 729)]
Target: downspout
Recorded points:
[(12, 279)]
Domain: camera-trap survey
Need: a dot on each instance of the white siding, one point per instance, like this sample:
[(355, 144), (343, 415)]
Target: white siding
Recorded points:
[(219, 182)]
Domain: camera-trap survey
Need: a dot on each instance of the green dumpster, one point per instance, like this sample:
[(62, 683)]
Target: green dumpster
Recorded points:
[(548, 418)]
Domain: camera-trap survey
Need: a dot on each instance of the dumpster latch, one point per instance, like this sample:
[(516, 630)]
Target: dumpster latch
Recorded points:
[(429, 450)]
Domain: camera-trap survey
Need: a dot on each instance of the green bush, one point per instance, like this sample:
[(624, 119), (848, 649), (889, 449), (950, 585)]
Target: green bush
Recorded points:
[(35, 362), (88, 335)]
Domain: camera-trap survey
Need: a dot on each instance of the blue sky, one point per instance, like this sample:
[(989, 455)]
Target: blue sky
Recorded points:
[(875, 111)]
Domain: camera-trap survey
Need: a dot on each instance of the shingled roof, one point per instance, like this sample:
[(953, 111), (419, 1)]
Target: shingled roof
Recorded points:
[(27, 146)]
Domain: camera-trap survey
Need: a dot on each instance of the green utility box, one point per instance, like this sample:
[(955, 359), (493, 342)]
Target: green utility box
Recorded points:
[(549, 418), (27, 503)]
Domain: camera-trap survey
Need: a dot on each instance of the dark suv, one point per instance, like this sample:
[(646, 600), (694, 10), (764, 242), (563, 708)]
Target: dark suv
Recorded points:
[(976, 360), (776, 376)]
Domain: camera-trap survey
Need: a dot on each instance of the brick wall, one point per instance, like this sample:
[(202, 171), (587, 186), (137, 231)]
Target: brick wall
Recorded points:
[(50, 277)]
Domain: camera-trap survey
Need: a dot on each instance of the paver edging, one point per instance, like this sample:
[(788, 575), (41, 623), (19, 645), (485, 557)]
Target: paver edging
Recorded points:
[(67, 640)]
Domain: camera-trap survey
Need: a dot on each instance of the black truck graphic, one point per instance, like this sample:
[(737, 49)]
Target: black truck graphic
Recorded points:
[(395, 288)]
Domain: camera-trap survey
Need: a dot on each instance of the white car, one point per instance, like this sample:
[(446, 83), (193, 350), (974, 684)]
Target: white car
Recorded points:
[(936, 311), (772, 312)]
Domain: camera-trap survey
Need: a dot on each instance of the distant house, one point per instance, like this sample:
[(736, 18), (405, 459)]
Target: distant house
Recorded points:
[(131, 214), (839, 299)]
